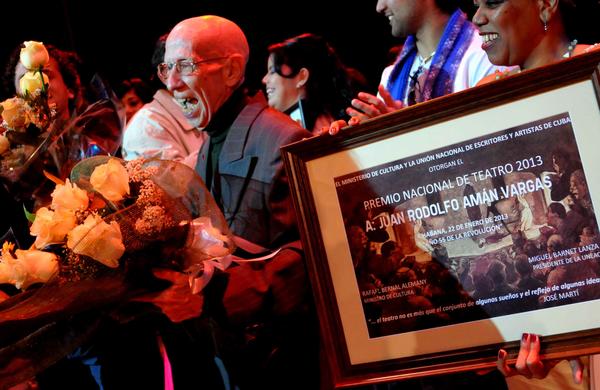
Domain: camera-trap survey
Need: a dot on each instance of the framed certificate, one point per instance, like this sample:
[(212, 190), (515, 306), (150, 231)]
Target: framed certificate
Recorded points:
[(440, 233)]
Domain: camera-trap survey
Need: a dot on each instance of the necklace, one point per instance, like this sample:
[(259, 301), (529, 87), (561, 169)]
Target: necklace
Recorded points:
[(570, 49)]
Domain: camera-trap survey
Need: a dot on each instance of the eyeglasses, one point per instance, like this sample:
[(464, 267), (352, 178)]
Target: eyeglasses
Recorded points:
[(183, 67)]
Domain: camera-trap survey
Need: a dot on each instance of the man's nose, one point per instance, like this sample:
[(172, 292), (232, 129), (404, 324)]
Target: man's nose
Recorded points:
[(173, 81)]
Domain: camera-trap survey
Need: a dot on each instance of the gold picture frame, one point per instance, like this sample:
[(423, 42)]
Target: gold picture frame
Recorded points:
[(438, 180)]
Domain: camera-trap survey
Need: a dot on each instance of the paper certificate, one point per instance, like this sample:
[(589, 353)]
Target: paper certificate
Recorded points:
[(492, 226)]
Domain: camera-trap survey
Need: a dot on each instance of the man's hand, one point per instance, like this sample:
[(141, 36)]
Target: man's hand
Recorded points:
[(529, 363), (365, 106)]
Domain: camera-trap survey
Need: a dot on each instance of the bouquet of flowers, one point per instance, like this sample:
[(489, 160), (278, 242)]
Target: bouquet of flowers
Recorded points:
[(109, 230), (38, 136), (26, 118)]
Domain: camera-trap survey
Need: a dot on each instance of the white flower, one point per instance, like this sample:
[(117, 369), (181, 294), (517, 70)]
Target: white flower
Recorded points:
[(207, 241), (32, 83), (97, 239), (39, 266), (30, 266), (34, 55), (111, 180), (69, 197), (4, 144), (51, 227)]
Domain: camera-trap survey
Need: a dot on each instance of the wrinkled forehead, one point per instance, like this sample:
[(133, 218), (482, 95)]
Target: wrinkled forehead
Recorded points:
[(189, 46), (176, 49)]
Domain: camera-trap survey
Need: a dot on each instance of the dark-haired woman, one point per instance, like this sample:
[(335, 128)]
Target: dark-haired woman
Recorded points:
[(528, 33), (306, 79), (134, 93)]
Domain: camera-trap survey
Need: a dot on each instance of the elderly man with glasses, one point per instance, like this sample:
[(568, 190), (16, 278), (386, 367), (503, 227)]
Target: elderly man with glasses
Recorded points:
[(266, 310)]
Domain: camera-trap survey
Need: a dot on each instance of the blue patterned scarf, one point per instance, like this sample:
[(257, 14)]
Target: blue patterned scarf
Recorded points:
[(440, 77)]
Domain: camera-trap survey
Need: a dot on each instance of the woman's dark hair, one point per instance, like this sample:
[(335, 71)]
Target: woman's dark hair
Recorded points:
[(69, 65), (569, 15), (329, 87), (580, 19), (138, 86)]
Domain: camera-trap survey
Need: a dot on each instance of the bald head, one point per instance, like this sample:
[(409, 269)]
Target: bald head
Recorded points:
[(211, 36)]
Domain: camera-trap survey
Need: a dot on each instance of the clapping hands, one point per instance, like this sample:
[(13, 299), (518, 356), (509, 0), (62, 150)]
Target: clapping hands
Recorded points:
[(366, 106)]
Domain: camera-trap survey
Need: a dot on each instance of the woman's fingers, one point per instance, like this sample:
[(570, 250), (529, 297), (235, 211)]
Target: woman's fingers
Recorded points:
[(334, 127), (521, 364), (356, 120), (530, 365), (502, 364), (536, 367)]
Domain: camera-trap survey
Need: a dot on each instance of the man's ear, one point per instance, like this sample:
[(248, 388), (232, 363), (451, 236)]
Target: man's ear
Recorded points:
[(233, 72), (548, 10)]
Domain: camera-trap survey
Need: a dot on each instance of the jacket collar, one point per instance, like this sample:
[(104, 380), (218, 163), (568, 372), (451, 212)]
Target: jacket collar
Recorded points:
[(233, 149)]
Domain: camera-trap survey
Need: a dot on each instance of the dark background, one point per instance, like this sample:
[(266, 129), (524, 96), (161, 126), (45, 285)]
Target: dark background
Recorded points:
[(116, 38)]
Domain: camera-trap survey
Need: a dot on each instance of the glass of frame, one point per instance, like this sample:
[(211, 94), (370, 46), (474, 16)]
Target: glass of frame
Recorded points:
[(440, 233)]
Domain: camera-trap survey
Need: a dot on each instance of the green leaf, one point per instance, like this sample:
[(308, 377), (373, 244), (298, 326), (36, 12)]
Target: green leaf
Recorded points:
[(30, 217)]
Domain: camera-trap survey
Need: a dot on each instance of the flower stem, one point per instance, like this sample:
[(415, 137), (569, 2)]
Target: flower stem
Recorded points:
[(44, 89)]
